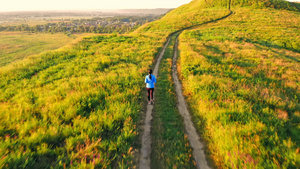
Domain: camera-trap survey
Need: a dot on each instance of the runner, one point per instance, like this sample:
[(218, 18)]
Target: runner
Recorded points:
[(150, 81)]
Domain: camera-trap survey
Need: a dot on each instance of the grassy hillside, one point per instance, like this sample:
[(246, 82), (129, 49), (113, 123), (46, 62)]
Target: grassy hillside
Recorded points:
[(77, 107), (241, 77), (185, 16), (276, 4), (202, 11)]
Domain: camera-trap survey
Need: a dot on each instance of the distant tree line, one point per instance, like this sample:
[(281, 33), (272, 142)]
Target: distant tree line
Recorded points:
[(121, 24), (71, 29)]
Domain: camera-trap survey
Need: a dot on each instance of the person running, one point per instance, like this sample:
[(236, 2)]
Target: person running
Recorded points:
[(150, 81)]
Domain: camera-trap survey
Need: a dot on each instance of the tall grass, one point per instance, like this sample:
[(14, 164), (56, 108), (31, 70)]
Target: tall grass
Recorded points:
[(241, 77), (77, 107)]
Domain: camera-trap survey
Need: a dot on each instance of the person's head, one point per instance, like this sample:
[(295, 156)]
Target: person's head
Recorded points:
[(150, 72)]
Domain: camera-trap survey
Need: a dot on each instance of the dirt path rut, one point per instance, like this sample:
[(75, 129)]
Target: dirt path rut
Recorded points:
[(146, 138), (194, 139)]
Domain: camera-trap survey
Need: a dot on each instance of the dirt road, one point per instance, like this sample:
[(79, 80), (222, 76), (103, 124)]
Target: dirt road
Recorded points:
[(146, 138), (194, 139)]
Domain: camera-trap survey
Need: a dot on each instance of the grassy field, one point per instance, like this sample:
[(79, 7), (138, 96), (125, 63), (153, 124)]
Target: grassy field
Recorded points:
[(15, 46), (51, 103), (41, 20), (77, 107), (241, 77), (30, 23)]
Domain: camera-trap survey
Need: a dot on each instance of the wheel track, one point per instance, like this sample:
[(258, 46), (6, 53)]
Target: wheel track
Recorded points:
[(194, 139), (146, 138)]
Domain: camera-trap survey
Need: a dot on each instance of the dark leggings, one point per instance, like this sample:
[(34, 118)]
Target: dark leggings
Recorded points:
[(150, 93)]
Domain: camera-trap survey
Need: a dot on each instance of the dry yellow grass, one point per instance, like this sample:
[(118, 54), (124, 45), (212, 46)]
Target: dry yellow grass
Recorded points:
[(15, 46)]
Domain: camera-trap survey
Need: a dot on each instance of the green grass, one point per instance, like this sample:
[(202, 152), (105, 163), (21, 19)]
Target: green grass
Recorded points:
[(255, 4), (241, 77), (77, 107), (15, 46), (170, 145), (188, 15)]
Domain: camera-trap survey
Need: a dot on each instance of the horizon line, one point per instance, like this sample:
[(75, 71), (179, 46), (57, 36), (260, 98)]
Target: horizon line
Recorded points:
[(69, 10)]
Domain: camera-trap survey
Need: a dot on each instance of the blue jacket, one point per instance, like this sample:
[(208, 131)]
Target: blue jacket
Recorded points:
[(150, 82)]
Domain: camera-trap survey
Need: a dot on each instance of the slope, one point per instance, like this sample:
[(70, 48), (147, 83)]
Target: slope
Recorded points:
[(241, 77), (255, 4), (169, 23), (80, 107), (187, 15), (77, 107)]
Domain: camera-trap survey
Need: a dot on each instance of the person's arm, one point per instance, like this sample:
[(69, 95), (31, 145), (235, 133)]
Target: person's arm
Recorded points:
[(146, 80)]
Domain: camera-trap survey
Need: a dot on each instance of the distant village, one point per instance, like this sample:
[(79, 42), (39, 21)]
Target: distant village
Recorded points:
[(118, 24), (68, 22)]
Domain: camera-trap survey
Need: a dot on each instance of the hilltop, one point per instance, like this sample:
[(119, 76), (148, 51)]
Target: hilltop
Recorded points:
[(201, 11), (258, 4)]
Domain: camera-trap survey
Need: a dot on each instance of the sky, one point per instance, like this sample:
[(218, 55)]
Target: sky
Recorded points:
[(40, 5)]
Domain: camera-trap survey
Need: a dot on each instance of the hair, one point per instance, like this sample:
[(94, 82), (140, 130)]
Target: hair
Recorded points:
[(150, 72)]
